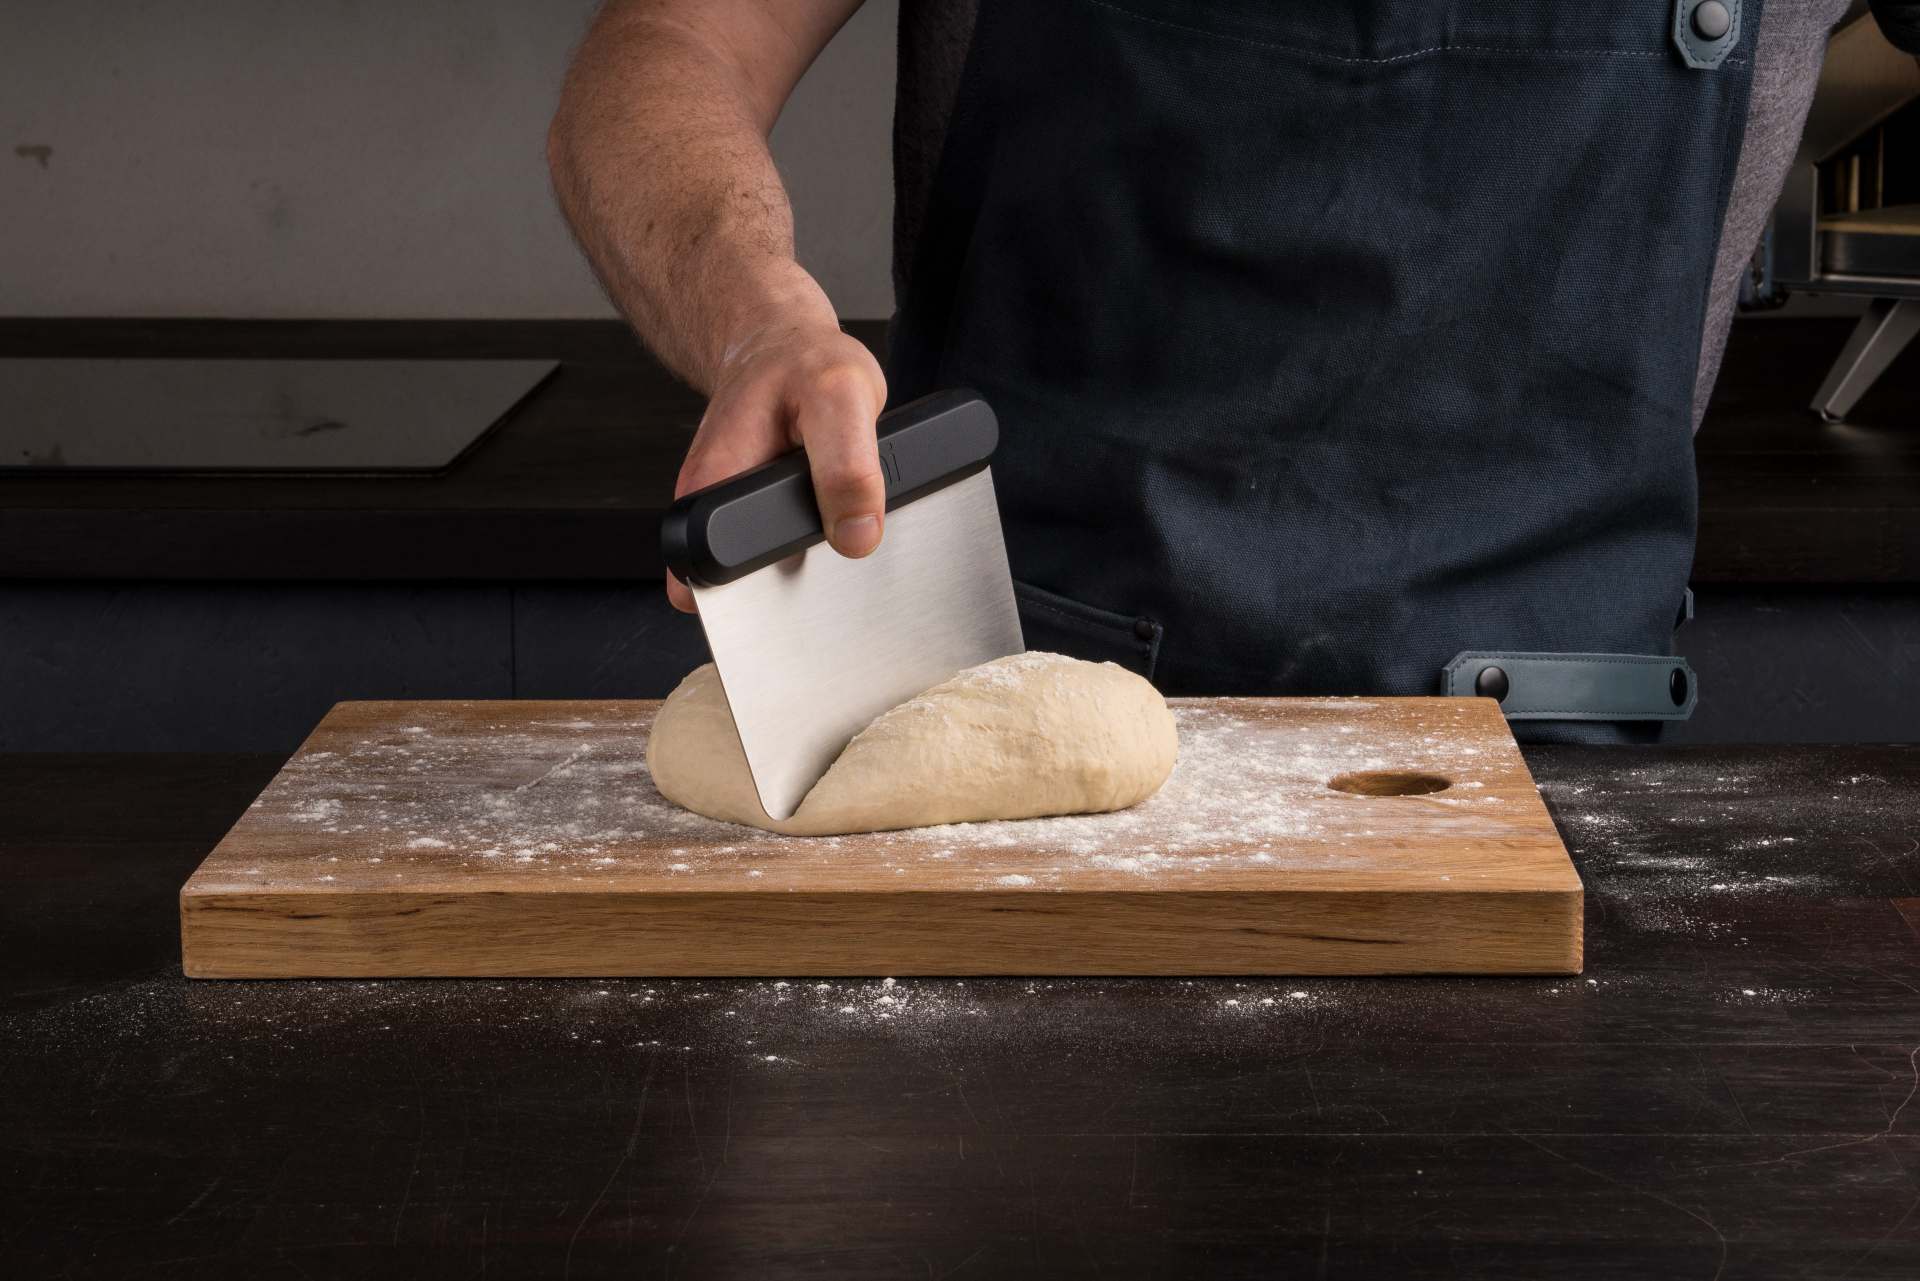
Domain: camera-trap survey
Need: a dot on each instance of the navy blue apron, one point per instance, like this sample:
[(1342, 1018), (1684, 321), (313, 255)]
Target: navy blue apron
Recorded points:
[(1330, 340)]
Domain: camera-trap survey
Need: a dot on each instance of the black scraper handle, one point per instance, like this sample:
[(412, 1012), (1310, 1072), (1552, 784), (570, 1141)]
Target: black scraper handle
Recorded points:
[(731, 528)]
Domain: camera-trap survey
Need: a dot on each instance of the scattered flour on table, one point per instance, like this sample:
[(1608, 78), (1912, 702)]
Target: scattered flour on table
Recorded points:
[(1672, 848), (805, 1023)]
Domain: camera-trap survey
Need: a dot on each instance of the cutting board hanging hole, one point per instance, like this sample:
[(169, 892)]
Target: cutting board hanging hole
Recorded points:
[(1389, 783)]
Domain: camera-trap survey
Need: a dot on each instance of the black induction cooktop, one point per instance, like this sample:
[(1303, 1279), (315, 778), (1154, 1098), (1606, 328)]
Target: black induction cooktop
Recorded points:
[(245, 415)]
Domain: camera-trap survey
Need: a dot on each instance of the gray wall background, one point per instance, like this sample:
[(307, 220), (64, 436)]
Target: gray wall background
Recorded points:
[(332, 158)]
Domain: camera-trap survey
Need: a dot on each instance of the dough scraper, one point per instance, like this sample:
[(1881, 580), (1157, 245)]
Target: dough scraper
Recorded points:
[(810, 645)]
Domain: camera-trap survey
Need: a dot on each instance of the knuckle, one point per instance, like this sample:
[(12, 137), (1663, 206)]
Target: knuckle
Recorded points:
[(847, 480), (842, 381)]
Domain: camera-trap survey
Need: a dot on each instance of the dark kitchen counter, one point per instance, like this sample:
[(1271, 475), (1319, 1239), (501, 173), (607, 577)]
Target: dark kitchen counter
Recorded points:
[(1728, 1091), (572, 485)]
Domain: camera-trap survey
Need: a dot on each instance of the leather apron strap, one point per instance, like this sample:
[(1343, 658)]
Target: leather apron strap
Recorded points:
[(1576, 687), (1579, 687)]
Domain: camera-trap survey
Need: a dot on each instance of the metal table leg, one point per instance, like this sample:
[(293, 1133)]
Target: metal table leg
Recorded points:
[(1888, 326)]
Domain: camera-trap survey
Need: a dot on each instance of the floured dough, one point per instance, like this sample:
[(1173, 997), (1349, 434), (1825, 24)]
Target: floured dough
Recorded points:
[(1019, 737)]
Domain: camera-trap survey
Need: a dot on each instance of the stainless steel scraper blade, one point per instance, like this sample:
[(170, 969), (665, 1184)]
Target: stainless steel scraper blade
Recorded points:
[(812, 648)]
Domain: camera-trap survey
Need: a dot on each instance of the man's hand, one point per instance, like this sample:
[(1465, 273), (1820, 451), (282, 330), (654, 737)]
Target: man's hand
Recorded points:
[(797, 382)]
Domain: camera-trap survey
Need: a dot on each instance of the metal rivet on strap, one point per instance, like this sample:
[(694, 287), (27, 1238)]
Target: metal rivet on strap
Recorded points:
[(1711, 20), (1491, 683), (1677, 687), (1705, 32)]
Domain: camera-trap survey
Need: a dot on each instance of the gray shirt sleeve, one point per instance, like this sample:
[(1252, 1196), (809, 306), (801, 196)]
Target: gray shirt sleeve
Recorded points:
[(1787, 52)]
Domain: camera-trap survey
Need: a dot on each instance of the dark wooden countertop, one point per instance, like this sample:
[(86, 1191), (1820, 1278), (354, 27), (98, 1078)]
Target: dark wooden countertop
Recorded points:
[(1731, 1090), (572, 485)]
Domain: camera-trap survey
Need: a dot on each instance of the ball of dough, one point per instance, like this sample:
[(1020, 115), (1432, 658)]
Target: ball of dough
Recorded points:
[(1019, 737)]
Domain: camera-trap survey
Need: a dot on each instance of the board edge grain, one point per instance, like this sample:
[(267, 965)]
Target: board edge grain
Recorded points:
[(598, 934)]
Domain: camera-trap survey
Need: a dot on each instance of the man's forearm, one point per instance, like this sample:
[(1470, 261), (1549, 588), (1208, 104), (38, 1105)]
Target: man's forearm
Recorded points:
[(659, 154), (659, 157)]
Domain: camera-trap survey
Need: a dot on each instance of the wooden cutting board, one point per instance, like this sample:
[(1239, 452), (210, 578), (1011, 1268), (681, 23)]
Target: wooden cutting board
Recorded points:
[(1296, 836)]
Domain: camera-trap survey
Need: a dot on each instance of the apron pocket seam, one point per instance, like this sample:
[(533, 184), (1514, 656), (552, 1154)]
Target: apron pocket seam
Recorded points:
[(1088, 631)]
